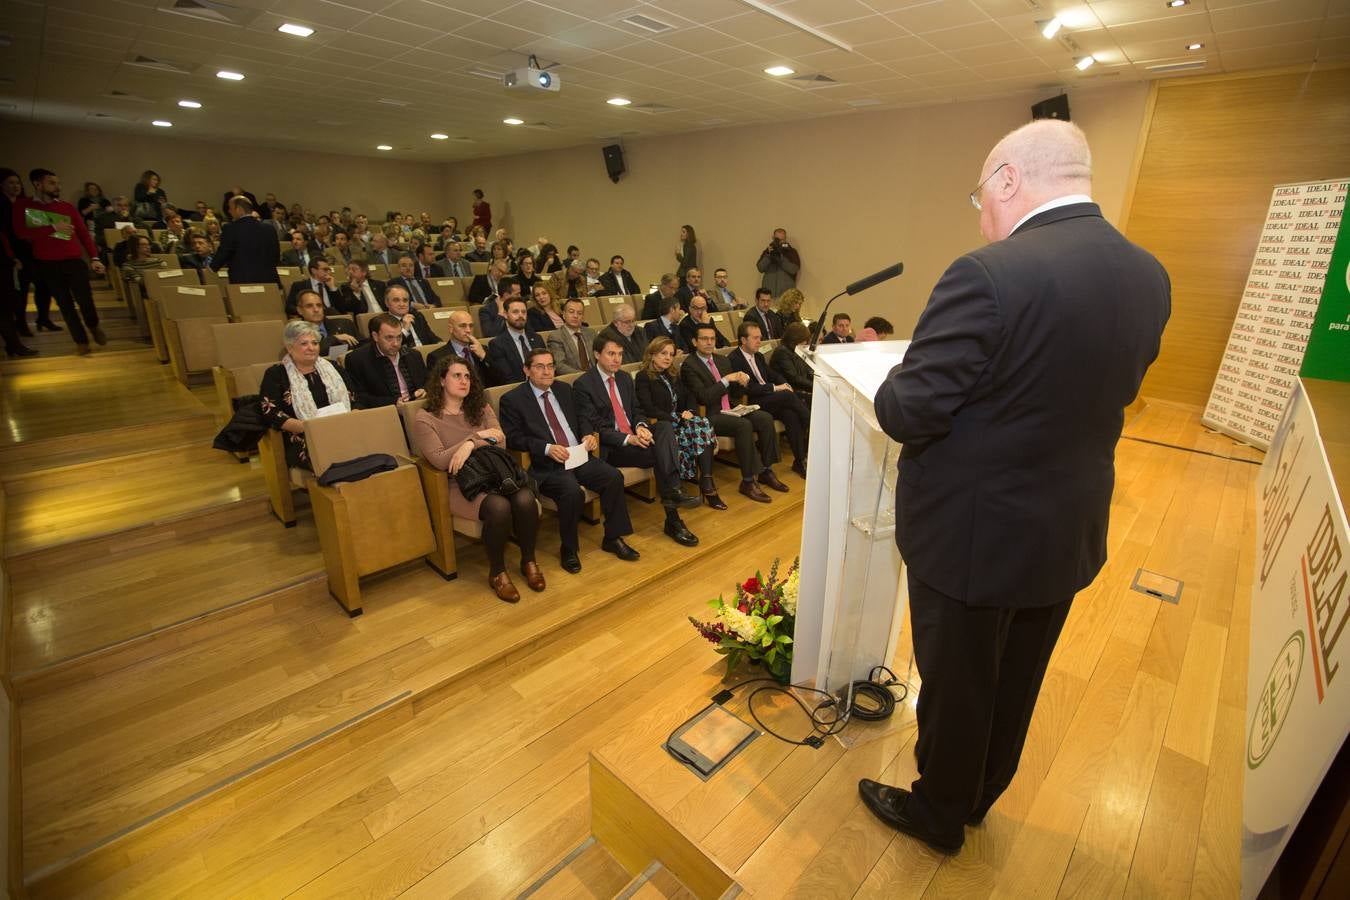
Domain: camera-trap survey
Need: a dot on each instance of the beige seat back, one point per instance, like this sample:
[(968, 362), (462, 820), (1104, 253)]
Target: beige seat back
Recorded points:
[(331, 439), (452, 291), (438, 320), (605, 307), (289, 274), (478, 268), (254, 302), (248, 379), (723, 322), (245, 343)]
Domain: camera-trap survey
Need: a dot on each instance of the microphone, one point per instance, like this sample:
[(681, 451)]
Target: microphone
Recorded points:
[(856, 287)]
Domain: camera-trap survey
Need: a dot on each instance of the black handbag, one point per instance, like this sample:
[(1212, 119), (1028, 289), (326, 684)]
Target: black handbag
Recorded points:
[(358, 469), (494, 470)]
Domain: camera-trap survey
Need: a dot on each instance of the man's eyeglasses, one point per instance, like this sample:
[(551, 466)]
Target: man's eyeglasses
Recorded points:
[(975, 194)]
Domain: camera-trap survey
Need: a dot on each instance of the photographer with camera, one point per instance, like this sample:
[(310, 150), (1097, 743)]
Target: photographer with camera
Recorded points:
[(779, 263)]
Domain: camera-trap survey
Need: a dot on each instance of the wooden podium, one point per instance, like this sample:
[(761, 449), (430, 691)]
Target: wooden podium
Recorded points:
[(852, 597)]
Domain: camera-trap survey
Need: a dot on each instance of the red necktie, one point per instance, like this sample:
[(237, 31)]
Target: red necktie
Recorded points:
[(559, 436), (620, 417), (726, 401)]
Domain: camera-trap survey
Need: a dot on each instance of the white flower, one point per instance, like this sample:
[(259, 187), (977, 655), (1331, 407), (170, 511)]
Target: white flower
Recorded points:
[(740, 624), (790, 594)]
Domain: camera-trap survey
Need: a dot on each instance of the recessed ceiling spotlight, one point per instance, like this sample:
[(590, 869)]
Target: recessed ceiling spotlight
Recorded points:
[(1084, 63), (440, 137), (618, 101), (189, 104), (383, 147), (162, 123), (1195, 46), (513, 121), (229, 76), (1176, 4), (1051, 28), (297, 30), (779, 71)]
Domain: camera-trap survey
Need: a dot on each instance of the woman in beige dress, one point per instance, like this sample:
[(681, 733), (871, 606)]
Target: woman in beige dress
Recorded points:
[(455, 421)]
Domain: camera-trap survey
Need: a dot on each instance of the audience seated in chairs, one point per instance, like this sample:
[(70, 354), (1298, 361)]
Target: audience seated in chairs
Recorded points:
[(841, 330), (719, 389), (655, 303), (452, 263), (698, 315), (789, 309), (540, 418), (456, 421), (722, 296), (122, 252), (332, 332), (361, 293), (416, 331), (508, 353), (463, 344), (609, 405), (380, 252), (419, 289), (200, 256), (321, 282), (692, 287), (624, 329), (770, 392), (485, 287), (570, 281), (571, 344), (383, 370), (667, 324), (790, 367), (618, 280), (764, 315), (543, 313), (480, 252), (139, 261), (666, 399), (301, 252), (876, 329), (299, 387)]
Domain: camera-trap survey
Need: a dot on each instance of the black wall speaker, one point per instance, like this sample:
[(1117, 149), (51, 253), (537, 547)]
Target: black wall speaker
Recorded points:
[(1054, 108), (614, 162)]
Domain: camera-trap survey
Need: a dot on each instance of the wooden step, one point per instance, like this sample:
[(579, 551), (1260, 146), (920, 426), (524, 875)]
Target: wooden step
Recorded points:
[(131, 750), (656, 882), (588, 871), (122, 495)]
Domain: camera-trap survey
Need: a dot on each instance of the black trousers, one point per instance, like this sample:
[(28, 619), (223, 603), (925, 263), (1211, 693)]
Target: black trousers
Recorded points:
[(788, 408), (756, 441), (9, 306), (563, 487), (68, 280), (982, 669), (663, 456)]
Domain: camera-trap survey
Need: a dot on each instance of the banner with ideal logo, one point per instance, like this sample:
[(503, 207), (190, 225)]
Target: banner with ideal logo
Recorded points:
[(1298, 667), (1277, 309)]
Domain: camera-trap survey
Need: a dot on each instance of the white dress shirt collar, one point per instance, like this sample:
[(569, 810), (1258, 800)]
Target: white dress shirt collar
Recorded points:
[(1066, 200)]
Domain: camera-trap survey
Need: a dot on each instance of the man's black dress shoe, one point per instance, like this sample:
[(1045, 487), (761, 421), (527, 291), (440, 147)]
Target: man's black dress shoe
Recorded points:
[(678, 499), (799, 466), (620, 549), (888, 804), (770, 480), (19, 350), (680, 534), (570, 561)]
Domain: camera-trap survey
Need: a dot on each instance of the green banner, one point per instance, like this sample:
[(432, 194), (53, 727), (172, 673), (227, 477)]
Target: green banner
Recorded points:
[(1328, 353)]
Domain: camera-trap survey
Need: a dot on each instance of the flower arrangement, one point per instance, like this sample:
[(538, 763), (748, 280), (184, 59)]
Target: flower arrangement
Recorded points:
[(759, 624)]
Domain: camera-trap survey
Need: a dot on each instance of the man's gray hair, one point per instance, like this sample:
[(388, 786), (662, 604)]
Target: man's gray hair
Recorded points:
[(1048, 153), (298, 328)]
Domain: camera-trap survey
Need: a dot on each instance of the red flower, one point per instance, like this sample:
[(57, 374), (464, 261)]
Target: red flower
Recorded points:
[(752, 586), (744, 607)]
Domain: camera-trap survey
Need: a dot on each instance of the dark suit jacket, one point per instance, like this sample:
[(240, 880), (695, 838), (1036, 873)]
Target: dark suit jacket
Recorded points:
[(656, 328), (389, 257), (610, 285), (423, 330), (526, 429), (652, 303), (699, 380), (833, 338), (427, 292), (291, 258), (754, 390), (793, 369), (597, 413), (191, 261), (503, 357), (356, 303), (774, 321), (1010, 402), (687, 325), (333, 301), (481, 290), (373, 374), (490, 322), (538, 320), (332, 327), (448, 349), (248, 248), (633, 347), (656, 398)]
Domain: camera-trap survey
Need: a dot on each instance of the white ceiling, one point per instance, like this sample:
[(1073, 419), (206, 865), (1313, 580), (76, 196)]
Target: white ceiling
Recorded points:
[(66, 57)]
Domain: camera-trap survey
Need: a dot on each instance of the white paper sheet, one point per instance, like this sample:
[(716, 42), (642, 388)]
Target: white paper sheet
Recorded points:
[(577, 456)]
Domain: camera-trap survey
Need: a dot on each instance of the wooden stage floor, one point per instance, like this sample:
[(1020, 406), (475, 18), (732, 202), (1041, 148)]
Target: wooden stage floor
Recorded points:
[(199, 719)]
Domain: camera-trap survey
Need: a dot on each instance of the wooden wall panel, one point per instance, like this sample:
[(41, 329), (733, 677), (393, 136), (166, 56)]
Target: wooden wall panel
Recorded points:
[(1215, 147)]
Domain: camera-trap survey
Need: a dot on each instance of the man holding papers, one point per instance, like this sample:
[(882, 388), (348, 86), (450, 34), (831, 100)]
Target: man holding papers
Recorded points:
[(540, 418)]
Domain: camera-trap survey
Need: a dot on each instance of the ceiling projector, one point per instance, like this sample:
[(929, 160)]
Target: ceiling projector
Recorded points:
[(530, 77)]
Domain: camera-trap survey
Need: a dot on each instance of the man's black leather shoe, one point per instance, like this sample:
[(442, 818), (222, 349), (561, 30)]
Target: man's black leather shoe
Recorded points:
[(678, 499), (570, 561), (680, 534), (620, 549), (888, 804)]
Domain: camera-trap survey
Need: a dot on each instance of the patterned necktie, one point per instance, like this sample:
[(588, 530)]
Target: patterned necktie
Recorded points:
[(726, 401), (559, 436)]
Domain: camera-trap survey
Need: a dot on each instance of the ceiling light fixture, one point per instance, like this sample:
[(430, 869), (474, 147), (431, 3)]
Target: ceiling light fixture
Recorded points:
[(297, 30), (779, 71), (189, 104), (1195, 46), (229, 76), (1084, 63), (1051, 28), (162, 123), (1176, 4), (383, 147), (618, 101), (440, 137), (512, 120)]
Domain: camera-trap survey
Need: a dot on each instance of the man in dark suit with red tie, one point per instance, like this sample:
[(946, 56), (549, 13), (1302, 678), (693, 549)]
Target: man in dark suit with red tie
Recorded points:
[(540, 418), (608, 404), (1009, 403)]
